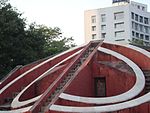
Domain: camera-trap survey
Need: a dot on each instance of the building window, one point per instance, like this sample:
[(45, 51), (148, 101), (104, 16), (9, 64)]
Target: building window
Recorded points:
[(93, 36), (93, 18), (119, 25), (138, 7), (141, 19), (143, 8), (93, 28), (103, 35), (137, 35), (146, 37), (103, 27), (141, 36), (136, 17), (119, 34), (133, 25), (119, 15), (132, 15), (146, 21), (103, 18), (133, 33), (141, 28), (136, 26), (147, 43), (146, 29)]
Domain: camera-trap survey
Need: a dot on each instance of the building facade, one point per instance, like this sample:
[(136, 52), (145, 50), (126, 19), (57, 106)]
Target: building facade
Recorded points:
[(123, 22)]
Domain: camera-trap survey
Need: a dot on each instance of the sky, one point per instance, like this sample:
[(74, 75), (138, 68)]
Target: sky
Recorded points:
[(68, 15)]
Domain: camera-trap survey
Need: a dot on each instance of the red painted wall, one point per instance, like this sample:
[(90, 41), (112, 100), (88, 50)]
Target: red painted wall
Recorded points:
[(40, 86), (121, 81), (82, 84), (141, 60), (24, 81), (117, 81)]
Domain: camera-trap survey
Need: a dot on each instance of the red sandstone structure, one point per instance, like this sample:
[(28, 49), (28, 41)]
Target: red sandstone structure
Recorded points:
[(97, 77)]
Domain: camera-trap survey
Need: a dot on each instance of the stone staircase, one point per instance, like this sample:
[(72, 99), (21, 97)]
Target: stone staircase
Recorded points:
[(68, 78), (147, 81)]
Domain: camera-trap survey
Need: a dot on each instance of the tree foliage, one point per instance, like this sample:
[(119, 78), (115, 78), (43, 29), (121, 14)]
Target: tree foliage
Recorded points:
[(12, 34), (20, 45), (51, 38), (137, 42)]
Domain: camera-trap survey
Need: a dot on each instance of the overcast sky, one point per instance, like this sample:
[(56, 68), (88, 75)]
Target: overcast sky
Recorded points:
[(68, 15)]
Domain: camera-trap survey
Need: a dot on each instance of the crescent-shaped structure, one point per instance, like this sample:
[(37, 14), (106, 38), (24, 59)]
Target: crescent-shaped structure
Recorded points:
[(98, 77)]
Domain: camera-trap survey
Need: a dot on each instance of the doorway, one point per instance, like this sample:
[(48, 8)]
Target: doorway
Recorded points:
[(100, 87)]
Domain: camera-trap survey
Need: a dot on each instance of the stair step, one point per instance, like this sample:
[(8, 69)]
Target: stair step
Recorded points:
[(48, 100), (77, 65), (88, 51), (147, 83), (56, 91), (67, 78), (46, 103), (43, 109), (86, 55), (72, 71), (146, 72), (146, 91), (147, 87), (82, 59), (71, 74), (59, 88), (147, 79), (147, 75), (62, 84), (92, 48)]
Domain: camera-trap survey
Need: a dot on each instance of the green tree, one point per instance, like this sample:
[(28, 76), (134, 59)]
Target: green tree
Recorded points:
[(12, 35), (137, 42), (50, 40), (20, 46)]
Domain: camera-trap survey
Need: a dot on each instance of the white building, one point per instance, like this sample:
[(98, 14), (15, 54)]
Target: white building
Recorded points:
[(123, 22)]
